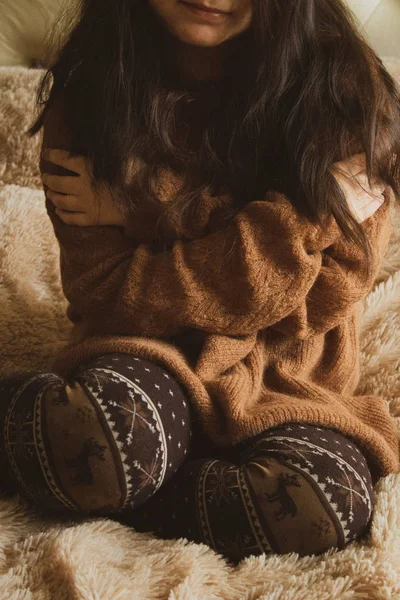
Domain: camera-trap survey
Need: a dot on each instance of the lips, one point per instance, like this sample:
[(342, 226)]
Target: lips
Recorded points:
[(206, 8)]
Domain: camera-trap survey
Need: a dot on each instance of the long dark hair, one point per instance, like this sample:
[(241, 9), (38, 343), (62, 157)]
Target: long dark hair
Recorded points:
[(304, 90)]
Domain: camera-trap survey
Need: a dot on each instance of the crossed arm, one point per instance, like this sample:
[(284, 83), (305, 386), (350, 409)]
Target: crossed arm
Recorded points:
[(269, 267)]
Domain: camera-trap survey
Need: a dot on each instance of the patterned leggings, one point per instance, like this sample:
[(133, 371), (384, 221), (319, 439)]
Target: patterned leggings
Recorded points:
[(117, 440)]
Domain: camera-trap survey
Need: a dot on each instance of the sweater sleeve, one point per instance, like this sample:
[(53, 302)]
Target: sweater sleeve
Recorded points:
[(340, 283), (269, 267)]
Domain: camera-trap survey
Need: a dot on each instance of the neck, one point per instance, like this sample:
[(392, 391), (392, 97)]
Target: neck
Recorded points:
[(198, 63)]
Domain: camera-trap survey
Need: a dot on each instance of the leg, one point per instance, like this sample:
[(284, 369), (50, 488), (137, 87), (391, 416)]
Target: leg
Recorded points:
[(297, 488), (102, 443)]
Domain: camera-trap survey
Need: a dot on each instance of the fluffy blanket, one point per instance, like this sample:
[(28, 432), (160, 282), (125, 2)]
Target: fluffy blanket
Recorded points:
[(43, 558)]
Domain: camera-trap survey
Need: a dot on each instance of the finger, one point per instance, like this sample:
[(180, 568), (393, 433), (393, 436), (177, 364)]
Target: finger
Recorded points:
[(366, 202), (368, 209), (63, 159), (372, 207), (62, 183), (73, 218), (64, 202)]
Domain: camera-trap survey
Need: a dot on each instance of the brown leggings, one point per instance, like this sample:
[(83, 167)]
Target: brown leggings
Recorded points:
[(117, 441)]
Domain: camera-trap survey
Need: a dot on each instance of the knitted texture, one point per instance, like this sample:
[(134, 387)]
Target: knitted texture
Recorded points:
[(258, 319)]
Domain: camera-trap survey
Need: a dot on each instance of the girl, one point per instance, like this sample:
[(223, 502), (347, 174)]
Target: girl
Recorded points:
[(219, 176)]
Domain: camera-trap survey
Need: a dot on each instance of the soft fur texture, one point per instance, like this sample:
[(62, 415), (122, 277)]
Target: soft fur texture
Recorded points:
[(45, 558)]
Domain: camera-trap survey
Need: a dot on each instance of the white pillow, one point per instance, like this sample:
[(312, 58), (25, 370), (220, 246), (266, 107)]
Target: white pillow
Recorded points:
[(380, 20), (24, 26)]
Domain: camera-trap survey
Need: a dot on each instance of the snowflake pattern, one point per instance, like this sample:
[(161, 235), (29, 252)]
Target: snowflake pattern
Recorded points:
[(222, 484), (331, 466)]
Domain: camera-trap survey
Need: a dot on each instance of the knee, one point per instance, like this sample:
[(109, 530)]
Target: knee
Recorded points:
[(97, 444), (309, 506), (61, 446)]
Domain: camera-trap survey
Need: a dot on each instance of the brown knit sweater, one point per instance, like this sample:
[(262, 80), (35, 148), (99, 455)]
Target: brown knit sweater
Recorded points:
[(258, 319)]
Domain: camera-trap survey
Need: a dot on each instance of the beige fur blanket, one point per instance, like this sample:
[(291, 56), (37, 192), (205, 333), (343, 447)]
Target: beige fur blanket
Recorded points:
[(99, 559)]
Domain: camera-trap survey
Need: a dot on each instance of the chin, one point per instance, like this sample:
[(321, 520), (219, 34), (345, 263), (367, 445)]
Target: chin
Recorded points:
[(198, 36)]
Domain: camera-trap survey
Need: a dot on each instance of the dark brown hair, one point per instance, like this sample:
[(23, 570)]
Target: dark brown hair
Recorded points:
[(304, 90)]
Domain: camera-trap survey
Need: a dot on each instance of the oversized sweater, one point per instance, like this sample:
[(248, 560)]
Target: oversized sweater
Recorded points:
[(257, 318)]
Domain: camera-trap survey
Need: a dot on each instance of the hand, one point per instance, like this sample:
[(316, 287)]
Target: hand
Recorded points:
[(363, 200), (78, 199)]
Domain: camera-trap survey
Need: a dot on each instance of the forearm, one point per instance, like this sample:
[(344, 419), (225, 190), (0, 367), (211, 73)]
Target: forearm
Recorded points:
[(269, 267), (234, 281)]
